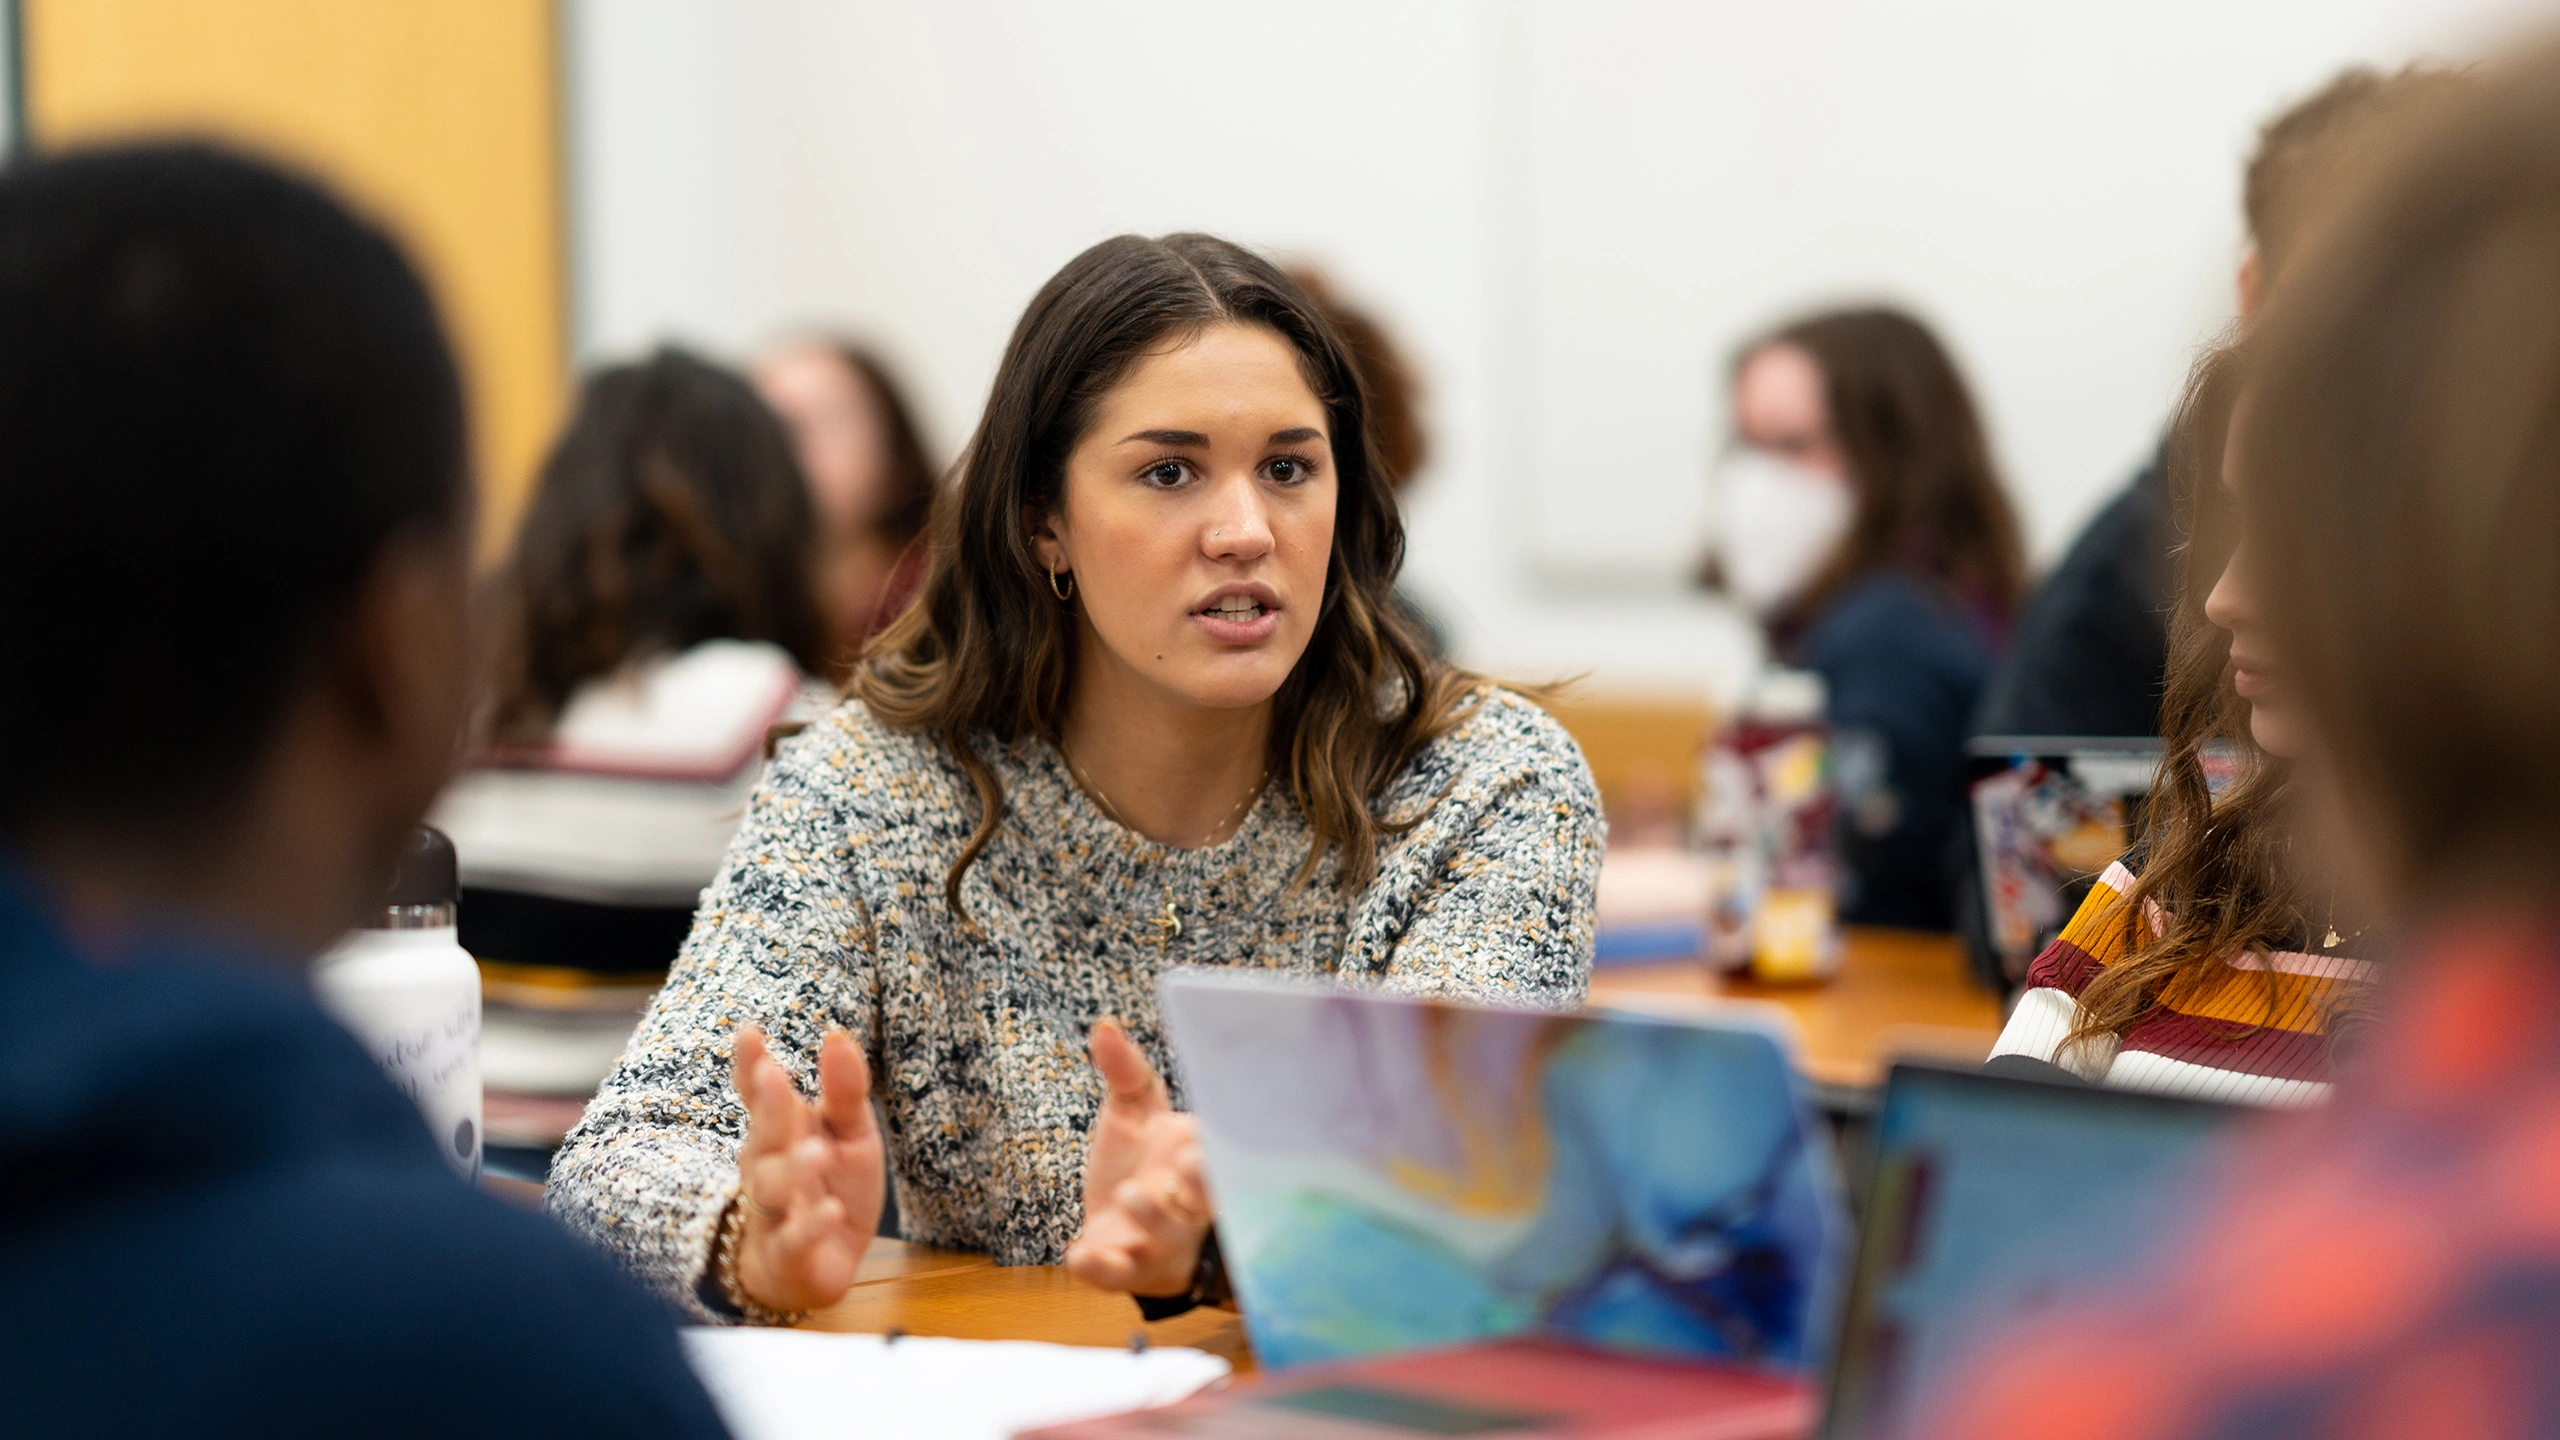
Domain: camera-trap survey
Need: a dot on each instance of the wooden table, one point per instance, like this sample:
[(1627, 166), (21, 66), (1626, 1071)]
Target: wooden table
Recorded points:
[(1899, 992), (924, 1291)]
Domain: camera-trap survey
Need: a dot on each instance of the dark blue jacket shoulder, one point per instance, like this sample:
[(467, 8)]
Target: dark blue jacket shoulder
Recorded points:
[(2093, 641), (217, 1218)]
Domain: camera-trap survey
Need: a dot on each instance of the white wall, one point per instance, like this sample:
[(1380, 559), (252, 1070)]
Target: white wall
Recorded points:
[(1569, 210)]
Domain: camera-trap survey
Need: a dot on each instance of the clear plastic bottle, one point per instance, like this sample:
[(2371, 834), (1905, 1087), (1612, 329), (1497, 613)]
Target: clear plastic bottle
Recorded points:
[(406, 989)]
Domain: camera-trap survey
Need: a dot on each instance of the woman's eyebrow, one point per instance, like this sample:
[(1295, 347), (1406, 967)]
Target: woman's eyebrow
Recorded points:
[(1195, 440)]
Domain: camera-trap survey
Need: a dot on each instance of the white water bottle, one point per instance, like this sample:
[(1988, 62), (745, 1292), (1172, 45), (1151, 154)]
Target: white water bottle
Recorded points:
[(406, 989)]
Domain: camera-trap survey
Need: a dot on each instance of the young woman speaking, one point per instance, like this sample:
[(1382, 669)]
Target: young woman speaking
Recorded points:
[(1154, 708)]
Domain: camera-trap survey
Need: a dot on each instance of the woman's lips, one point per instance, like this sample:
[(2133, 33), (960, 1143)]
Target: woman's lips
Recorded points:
[(1226, 629), (2251, 684)]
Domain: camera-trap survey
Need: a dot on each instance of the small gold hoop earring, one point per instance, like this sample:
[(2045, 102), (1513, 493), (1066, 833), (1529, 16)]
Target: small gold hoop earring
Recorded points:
[(1069, 591)]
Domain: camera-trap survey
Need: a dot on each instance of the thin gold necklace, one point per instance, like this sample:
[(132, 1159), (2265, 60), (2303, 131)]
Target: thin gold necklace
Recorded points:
[(1168, 922)]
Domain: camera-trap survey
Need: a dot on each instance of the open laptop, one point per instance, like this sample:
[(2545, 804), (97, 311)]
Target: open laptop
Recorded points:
[(2047, 814), (1988, 1197), (1394, 1174)]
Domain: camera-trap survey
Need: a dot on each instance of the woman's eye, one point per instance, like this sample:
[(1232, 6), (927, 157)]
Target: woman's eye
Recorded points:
[(1165, 474), (1290, 470)]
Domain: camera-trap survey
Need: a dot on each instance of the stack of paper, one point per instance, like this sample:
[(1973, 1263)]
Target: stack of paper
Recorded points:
[(796, 1385)]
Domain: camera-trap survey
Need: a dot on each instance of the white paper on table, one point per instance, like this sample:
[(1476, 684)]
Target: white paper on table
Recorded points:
[(800, 1385)]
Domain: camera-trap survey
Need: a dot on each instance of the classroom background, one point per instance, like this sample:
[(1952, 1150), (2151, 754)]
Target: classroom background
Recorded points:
[(1567, 213), (1836, 1019)]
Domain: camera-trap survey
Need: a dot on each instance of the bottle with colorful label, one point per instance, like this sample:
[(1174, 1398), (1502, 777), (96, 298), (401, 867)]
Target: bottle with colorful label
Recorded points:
[(1766, 823)]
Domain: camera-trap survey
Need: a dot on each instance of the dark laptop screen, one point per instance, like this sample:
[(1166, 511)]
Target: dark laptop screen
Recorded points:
[(1990, 1196)]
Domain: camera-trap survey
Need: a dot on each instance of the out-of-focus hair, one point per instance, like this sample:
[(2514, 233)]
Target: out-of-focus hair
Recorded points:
[(2402, 432), (988, 649), (224, 398), (1930, 502), (671, 511), (2301, 148), (1395, 390), (907, 487), (2215, 870)]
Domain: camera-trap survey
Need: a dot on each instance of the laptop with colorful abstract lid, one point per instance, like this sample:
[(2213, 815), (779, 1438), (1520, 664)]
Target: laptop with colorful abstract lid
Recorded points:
[(1395, 1174)]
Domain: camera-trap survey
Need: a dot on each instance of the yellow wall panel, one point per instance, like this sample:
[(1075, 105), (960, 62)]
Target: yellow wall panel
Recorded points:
[(440, 117)]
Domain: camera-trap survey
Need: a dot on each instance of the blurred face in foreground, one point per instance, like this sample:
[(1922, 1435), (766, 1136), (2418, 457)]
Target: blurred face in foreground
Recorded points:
[(2277, 719), (1196, 522)]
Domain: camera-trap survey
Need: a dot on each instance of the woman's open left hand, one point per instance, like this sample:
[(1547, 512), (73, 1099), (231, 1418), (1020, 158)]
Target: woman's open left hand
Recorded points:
[(811, 1174), (1146, 1205)]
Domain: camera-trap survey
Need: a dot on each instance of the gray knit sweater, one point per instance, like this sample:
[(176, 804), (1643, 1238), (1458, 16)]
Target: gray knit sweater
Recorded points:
[(829, 910)]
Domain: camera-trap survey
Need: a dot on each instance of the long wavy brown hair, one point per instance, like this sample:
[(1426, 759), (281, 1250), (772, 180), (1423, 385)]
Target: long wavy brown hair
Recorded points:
[(2220, 870), (988, 653), (2214, 869)]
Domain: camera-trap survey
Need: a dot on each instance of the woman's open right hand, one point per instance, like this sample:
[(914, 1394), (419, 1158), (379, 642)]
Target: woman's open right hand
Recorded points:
[(811, 1174), (1146, 1203)]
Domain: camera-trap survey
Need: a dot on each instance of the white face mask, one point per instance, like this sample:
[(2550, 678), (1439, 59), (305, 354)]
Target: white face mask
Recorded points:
[(1776, 523)]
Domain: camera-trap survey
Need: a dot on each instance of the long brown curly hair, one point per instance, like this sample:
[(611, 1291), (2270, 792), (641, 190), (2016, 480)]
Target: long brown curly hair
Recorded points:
[(2214, 869), (987, 652)]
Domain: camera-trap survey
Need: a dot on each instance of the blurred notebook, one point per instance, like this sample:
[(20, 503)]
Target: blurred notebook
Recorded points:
[(776, 1384), (1394, 1174)]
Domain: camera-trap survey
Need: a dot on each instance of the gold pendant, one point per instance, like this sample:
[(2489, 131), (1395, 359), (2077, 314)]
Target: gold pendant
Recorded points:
[(1168, 924), (2332, 942)]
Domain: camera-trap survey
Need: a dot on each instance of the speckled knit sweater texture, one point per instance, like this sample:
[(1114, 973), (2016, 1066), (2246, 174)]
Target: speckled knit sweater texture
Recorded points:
[(829, 910)]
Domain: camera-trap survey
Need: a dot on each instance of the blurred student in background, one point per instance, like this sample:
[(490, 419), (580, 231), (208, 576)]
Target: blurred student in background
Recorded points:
[(2386, 1265), (2093, 641), (657, 616), (1395, 412), (864, 459), (1860, 519), (2219, 971), (238, 521)]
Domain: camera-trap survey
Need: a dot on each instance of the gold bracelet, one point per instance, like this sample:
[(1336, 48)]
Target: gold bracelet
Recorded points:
[(724, 1267)]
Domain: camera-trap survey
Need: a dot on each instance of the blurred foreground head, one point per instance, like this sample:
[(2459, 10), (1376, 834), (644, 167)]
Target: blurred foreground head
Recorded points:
[(2304, 148), (2399, 426), (233, 501)]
